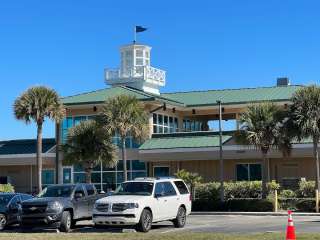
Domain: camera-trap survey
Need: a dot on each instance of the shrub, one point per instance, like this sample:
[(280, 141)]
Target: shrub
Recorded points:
[(306, 189), (306, 205), (249, 205), (287, 193), (243, 189), (207, 197), (272, 186), (6, 188)]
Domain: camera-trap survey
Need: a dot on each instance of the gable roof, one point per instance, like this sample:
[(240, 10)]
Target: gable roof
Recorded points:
[(189, 99), (234, 96), (25, 146), (100, 96)]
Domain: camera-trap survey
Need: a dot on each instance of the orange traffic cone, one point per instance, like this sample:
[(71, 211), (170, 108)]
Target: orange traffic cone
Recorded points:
[(291, 235)]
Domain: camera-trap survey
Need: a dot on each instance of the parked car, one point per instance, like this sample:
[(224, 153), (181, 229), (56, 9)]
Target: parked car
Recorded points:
[(144, 201), (59, 206), (9, 208)]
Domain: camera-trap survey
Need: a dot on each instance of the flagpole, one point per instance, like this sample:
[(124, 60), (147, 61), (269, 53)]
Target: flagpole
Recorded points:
[(134, 35)]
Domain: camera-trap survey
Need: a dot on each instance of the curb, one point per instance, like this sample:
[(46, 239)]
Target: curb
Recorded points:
[(254, 214)]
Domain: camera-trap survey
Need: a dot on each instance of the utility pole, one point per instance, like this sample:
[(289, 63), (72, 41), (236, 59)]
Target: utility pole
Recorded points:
[(221, 153)]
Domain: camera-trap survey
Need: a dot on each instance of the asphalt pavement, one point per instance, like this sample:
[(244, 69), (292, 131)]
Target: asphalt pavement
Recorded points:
[(237, 224)]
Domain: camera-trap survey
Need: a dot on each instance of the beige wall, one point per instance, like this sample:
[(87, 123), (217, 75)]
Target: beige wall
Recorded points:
[(23, 178), (209, 169)]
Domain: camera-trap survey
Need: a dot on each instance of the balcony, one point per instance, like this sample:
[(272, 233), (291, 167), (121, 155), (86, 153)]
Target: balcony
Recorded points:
[(138, 73)]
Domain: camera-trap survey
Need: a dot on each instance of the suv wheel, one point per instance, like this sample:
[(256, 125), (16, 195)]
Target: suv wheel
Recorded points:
[(145, 222), (3, 221), (181, 218), (66, 222)]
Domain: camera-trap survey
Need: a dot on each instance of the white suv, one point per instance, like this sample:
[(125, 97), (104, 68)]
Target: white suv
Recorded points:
[(144, 201)]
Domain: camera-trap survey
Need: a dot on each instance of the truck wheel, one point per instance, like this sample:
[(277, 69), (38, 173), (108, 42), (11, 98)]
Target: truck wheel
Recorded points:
[(3, 221), (181, 218), (66, 221), (145, 222)]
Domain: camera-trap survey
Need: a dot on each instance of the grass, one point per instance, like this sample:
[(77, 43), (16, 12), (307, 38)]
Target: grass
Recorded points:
[(149, 236)]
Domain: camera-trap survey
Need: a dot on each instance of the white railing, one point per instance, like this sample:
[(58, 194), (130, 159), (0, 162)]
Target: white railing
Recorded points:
[(146, 73)]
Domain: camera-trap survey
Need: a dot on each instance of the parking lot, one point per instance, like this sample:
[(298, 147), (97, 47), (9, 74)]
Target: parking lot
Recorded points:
[(216, 224)]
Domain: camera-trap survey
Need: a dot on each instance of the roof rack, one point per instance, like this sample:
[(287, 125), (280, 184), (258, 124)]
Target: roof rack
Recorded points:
[(155, 178), (145, 178), (169, 177)]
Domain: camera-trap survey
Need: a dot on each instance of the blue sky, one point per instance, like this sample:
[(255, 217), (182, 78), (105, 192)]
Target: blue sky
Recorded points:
[(201, 44)]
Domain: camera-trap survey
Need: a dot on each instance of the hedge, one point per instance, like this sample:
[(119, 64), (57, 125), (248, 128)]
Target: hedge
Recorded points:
[(246, 196)]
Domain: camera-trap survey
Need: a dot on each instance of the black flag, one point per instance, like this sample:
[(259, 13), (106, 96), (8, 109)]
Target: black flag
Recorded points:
[(140, 29)]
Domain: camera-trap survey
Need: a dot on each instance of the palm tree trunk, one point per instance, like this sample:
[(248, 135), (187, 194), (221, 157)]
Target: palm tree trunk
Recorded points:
[(124, 159), (316, 157), (265, 174), (39, 156), (88, 174)]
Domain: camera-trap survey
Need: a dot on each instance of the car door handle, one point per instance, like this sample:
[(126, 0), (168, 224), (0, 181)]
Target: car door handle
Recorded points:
[(165, 200)]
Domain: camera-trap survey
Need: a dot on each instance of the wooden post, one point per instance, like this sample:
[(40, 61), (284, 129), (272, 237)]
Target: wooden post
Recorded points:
[(275, 200), (317, 200)]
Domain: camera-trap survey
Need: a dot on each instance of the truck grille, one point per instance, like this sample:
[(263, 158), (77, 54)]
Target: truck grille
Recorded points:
[(102, 207), (118, 207), (33, 209)]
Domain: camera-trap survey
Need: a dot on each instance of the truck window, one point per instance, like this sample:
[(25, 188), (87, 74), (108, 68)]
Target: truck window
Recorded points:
[(181, 187), (90, 189), (79, 190)]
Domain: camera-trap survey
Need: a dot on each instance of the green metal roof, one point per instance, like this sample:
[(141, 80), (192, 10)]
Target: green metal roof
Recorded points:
[(25, 146), (190, 99), (102, 95), (233, 96), (183, 141)]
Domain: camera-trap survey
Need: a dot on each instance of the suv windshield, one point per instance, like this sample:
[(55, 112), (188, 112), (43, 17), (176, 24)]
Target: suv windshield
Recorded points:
[(57, 191), (135, 188), (5, 198)]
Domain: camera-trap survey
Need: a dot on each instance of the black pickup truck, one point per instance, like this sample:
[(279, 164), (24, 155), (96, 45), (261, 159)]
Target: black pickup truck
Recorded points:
[(59, 206)]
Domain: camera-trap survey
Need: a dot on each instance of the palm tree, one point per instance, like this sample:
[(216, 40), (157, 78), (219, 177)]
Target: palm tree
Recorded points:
[(124, 115), (264, 126), (36, 104), (88, 144), (306, 113)]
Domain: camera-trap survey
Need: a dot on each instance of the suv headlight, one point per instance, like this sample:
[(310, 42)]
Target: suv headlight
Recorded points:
[(55, 206), (131, 205)]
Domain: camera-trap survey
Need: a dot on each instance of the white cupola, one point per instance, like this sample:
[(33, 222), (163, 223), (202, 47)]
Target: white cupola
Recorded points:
[(135, 70)]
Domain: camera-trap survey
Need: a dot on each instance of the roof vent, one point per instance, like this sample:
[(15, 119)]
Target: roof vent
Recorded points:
[(283, 81)]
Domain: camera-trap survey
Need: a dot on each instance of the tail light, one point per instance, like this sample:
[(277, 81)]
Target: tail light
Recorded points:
[(190, 197)]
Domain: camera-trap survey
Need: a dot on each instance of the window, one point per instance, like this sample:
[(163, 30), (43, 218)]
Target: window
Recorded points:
[(66, 175), (169, 189), (192, 125), (139, 53), (90, 189), (79, 190), (248, 172), (164, 124), (111, 177), (161, 171), (47, 176), (139, 61), (165, 189), (181, 187), (25, 197), (15, 200)]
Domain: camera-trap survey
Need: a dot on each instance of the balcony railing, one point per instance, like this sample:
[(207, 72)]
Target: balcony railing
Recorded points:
[(146, 73)]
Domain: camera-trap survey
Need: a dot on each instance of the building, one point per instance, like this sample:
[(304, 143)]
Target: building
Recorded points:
[(183, 132), (18, 163), (182, 126)]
